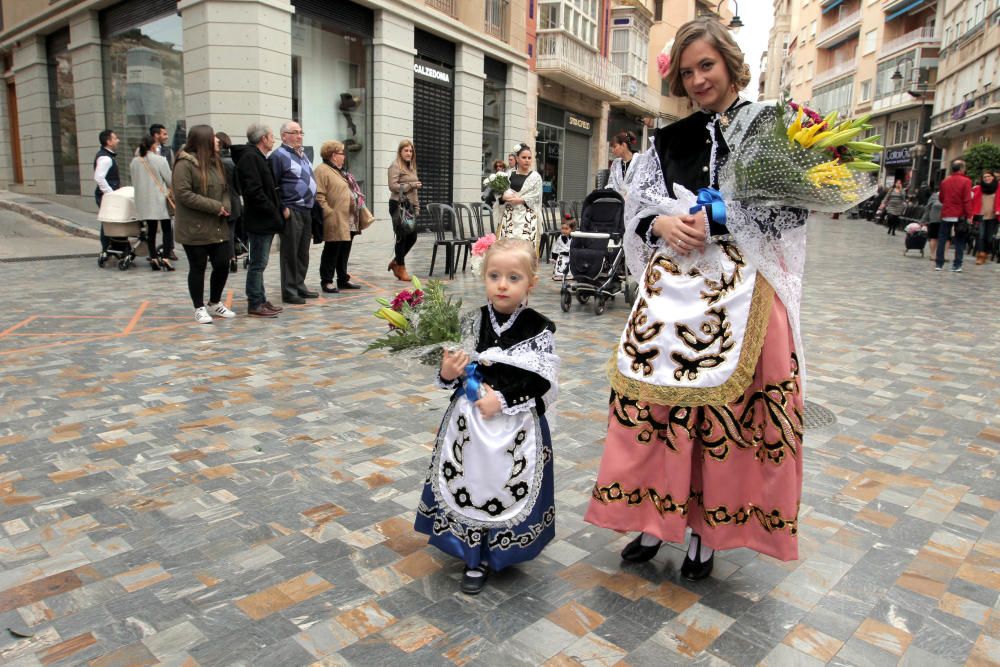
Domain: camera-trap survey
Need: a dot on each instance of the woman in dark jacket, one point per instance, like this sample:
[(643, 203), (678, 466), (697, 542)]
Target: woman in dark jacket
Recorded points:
[(894, 206), (224, 145), (202, 217)]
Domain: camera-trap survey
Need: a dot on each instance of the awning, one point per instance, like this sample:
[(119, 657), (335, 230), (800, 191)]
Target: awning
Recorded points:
[(836, 3), (900, 12)]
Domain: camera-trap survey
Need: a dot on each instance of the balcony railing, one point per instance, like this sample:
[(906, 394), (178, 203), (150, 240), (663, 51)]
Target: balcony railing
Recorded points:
[(560, 56), (835, 71), (965, 108), (449, 7), (636, 92), (497, 18), (909, 39), (901, 99), (842, 26)]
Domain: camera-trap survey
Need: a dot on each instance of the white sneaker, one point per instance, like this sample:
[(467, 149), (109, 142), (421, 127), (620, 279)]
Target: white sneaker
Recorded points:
[(220, 310), (201, 316)]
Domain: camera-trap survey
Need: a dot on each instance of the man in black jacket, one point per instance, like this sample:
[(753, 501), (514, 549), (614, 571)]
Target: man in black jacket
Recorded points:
[(262, 217)]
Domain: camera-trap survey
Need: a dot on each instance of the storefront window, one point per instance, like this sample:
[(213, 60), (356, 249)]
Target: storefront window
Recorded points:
[(144, 85), (548, 152), (63, 105), (330, 72), (493, 104)]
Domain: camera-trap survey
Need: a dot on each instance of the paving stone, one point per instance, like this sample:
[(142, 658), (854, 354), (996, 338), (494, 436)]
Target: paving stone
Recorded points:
[(147, 499)]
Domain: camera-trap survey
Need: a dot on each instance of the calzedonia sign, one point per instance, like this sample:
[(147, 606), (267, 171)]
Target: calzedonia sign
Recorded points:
[(436, 73)]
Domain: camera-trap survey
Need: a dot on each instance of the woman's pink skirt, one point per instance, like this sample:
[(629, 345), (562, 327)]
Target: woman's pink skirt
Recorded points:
[(731, 473)]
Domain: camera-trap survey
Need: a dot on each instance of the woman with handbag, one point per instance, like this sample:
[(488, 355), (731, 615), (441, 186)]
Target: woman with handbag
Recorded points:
[(153, 200), (203, 220), (344, 216), (404, 205)]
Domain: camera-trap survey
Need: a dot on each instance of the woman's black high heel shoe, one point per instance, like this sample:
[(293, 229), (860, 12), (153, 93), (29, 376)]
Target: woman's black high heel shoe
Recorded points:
[(697, 570), (154, 263), (634, 552)]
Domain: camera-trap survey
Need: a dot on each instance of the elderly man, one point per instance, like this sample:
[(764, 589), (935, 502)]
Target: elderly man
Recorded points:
[(262, 212), (297, 188)]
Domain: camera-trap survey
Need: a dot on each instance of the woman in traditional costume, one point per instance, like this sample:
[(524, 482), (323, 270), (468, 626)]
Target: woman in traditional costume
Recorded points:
[(521, 205), (705, 419), (623, 147), (489, 496)]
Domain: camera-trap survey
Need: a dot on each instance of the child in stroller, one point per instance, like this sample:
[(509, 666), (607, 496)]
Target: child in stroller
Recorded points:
[(596, 255), (560, 251), (916, 237)]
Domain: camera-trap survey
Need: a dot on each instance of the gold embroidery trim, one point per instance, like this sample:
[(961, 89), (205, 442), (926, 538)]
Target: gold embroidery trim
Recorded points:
[(753, 340)]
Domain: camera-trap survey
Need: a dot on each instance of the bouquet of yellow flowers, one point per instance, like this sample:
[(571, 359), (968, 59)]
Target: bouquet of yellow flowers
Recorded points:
[(421, 322), (789, 155)]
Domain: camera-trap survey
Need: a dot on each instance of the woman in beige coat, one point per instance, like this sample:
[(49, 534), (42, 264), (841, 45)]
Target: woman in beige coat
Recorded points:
[(403, 186), (202, 220), (342, 203)]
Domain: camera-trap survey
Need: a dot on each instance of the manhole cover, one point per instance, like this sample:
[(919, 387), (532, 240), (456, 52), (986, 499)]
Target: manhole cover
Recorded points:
[(816, 416)]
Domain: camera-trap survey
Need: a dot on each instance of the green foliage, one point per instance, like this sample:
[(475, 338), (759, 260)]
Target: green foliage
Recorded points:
[(436, 320), (981, 157)]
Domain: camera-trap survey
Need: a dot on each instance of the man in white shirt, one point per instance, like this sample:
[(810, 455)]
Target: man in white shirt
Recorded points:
[(106, 173)]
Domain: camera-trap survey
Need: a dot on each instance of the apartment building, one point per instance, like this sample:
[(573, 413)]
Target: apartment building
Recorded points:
[(871, 56), (450, 74), (967, 104)]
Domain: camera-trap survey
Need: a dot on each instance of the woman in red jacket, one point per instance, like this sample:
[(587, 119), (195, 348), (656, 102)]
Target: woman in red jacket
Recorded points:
[(985, 210)]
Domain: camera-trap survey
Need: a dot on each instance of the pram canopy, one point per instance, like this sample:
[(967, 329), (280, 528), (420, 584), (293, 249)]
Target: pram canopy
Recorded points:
[(118, 206), (603, 212)]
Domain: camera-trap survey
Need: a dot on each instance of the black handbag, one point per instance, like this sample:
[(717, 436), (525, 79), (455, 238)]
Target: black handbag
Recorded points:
[(962, 227), (317, 223)]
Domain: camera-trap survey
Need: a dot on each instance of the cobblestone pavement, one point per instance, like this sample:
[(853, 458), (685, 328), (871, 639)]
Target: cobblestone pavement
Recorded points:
[(243, 493)]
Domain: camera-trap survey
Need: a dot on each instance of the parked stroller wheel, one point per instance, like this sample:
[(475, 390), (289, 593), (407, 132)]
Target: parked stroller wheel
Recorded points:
[(631, 290), (102, 259), (599, 304), (567, 301), (123, 264), (582, 298)]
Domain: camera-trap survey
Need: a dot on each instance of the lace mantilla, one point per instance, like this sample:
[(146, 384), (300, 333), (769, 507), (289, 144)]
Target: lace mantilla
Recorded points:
[(499, 329), (536, 355)]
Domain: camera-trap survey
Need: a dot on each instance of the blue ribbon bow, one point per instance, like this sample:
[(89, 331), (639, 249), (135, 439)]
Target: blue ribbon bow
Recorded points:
[(473, 382), (713, 199)]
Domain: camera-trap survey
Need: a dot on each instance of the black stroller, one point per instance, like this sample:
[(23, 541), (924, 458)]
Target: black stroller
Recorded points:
[(596, 255), (916, 238)]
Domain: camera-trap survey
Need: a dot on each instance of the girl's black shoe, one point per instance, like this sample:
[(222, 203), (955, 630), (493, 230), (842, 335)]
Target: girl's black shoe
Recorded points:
[(474, 579), (697, 570), (634, 552)]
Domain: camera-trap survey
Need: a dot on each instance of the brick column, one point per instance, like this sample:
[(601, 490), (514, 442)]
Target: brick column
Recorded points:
[(237, 63), (468, 150), (392, 119), (34, 112), (88, 94)]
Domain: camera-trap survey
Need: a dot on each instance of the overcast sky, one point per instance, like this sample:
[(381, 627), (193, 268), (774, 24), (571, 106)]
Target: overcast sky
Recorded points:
[(757, 17)]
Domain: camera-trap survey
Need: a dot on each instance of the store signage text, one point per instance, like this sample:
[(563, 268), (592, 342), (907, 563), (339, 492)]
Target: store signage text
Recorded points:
[(895, 156), (431, 73), (573, 121)]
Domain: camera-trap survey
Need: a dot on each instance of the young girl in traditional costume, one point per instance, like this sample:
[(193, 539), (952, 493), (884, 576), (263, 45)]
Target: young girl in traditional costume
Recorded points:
[(489, 495), (705, 422)]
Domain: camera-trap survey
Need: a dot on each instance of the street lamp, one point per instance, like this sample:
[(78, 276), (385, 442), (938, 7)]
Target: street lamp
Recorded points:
[(918, 150), (735, 23)]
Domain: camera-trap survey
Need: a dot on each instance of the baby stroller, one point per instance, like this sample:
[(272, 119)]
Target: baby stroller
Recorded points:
[(596, 255), (120, 225), (916, 238)]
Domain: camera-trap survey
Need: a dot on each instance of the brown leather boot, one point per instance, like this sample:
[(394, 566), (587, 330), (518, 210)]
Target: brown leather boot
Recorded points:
[(980, 258), (399, 270)]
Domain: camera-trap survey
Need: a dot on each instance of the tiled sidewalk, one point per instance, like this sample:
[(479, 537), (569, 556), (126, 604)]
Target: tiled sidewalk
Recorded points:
[(243, 493)]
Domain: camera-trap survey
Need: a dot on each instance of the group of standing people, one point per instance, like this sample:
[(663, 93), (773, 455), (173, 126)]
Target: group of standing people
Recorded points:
[(956, 215), (211, 187)]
